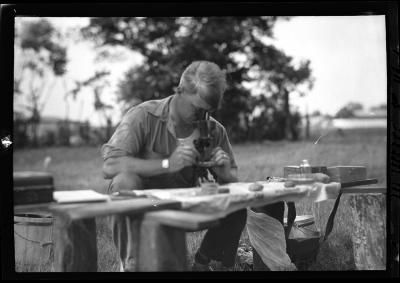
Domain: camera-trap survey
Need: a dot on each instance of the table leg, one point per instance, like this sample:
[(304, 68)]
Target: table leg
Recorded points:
[(321, 211), (75, 245), (162, 248)]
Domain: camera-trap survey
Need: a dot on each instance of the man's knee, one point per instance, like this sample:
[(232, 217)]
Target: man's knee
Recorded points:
[(237, 218), (240, 215), (126, 182)]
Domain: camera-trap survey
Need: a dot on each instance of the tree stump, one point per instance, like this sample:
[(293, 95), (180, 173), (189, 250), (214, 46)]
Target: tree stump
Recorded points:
[(369, 236), (75, 247)]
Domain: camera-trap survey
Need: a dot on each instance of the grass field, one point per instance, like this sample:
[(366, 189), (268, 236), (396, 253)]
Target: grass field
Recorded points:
[(79, 168)]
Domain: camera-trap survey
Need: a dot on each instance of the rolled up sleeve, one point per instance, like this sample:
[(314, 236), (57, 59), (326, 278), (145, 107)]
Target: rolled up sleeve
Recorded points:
[(129, 136)]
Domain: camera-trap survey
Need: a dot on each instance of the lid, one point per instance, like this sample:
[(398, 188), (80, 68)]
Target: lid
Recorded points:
[(304, 162), (32, 178)]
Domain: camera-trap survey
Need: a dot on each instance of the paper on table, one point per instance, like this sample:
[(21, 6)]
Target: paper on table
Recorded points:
[(79, 196)]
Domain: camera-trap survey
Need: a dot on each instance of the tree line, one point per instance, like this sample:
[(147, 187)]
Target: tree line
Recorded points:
[(261, 77), (237, 44)]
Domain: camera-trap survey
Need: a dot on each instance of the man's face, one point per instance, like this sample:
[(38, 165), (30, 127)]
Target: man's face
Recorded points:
[(194, 108)]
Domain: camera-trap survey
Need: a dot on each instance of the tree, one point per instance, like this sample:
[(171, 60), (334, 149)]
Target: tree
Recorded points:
[(282, 79), (41, 58), (237, 44), (348, 110), (380, 107), (97, 83), (102, 108), (316, 113)]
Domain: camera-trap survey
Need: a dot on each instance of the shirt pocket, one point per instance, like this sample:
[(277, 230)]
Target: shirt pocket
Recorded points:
[(157, 151), (162, 145)]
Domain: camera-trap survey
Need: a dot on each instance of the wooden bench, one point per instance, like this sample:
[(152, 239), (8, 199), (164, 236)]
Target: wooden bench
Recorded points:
[(162, 238), (162, 225), (162, 233)]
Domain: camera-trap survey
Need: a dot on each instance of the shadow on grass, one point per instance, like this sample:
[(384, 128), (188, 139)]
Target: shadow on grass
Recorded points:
[(335, 256), (25, 267)]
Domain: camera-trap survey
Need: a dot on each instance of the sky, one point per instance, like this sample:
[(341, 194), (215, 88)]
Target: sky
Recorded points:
[(347, 54), (348, 59)]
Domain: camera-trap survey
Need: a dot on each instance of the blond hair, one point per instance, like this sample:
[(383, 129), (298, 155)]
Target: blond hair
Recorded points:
[(206, 79)]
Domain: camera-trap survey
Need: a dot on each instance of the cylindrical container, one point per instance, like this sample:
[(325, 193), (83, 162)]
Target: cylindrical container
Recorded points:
[(301, 179), (305, 167), (305, 171), (33, 237)]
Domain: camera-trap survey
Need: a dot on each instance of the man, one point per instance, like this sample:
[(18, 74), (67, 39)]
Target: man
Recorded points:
[(144, 153)]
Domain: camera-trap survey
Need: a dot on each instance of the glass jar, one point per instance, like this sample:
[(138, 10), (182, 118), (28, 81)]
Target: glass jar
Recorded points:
[(305, 168)]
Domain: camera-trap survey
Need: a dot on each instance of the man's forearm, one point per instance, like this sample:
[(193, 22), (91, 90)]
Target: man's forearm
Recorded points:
[(230, 177), (142, 167)]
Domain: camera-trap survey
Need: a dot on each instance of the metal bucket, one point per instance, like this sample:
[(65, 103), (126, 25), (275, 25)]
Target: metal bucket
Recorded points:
[(33, 237)]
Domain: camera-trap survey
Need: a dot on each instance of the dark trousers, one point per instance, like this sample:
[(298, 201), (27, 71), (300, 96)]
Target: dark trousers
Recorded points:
[(219, 243)]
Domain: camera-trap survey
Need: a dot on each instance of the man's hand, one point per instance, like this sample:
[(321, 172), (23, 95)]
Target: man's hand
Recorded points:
[(223, 163), (183, 156)]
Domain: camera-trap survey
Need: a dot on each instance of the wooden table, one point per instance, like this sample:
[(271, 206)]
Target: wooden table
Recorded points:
[(162, 224), (75, 227)]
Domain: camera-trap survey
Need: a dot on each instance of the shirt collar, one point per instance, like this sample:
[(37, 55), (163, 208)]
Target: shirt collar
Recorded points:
[(162, 109)]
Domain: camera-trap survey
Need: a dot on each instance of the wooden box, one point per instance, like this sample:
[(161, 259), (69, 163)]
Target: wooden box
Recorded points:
[(344, 174), (32, 187), (293, 169)]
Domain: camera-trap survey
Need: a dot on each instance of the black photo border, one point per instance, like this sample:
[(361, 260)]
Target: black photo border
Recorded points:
[(390, 9)]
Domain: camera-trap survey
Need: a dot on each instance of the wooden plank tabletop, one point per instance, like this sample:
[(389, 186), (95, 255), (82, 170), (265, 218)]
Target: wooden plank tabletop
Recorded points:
[(139, 205), (88, 210), (188, 221), (238, 197), (364, 190), (24, 208)]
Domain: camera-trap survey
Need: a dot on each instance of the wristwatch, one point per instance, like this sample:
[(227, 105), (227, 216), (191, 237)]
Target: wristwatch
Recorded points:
[(165, 163)]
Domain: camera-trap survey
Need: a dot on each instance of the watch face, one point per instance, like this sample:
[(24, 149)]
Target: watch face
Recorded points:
[(165, 163)]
